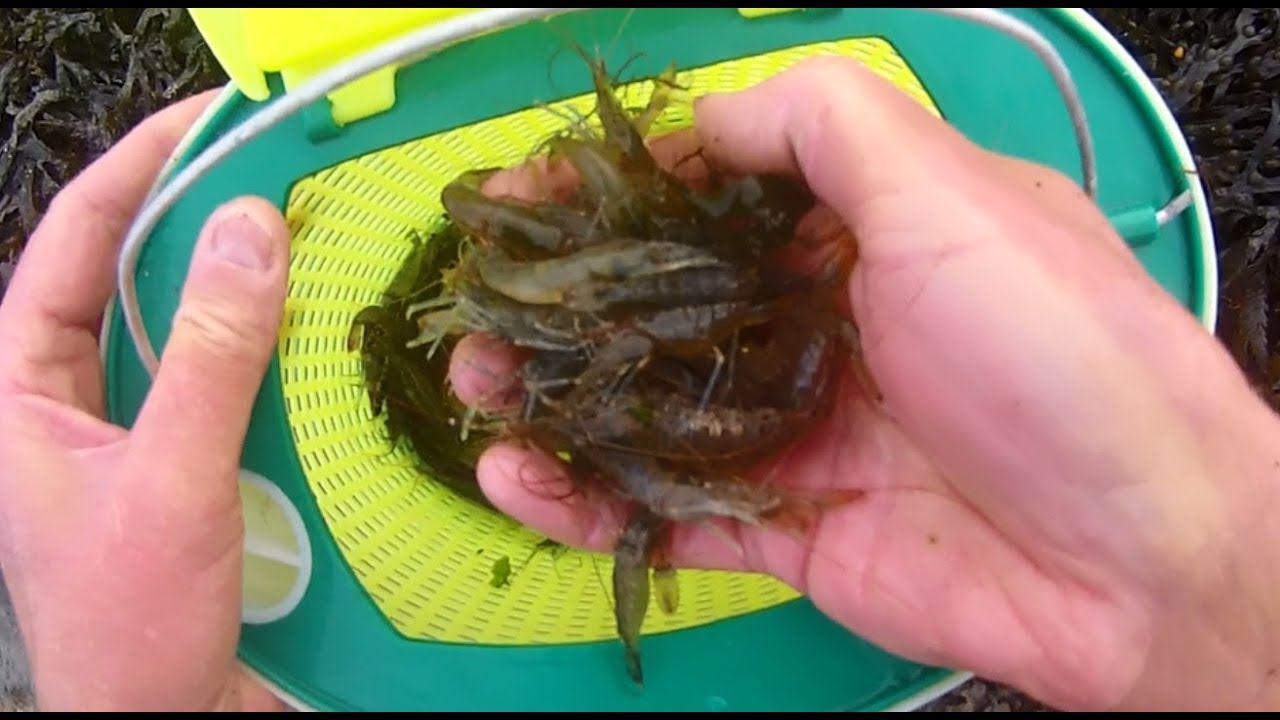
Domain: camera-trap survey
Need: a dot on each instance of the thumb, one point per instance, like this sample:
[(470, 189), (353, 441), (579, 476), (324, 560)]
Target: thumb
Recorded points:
[(196, 415)]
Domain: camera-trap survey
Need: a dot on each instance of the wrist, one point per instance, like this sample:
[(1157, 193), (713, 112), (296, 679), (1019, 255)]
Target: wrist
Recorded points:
[(1215, 626)]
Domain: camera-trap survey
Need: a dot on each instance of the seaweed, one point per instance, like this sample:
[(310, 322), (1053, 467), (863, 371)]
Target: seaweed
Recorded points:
[(72, 82), (1219, 71)]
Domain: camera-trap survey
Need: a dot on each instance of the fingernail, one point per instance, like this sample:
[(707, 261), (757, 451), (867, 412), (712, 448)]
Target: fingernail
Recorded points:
[(241, 241)]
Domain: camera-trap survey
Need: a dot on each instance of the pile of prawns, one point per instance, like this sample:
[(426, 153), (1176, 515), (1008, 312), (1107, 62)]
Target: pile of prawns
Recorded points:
[(667, 354)]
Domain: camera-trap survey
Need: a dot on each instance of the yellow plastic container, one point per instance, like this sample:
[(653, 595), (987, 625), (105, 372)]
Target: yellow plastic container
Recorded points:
[(298, 43)]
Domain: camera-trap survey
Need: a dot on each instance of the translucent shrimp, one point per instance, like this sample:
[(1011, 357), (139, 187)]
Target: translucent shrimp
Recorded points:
[(546, 282)]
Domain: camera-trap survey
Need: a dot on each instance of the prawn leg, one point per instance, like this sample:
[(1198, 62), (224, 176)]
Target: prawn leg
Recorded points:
[(628, 375), (432, 304), (659, 100), (610, 365), (665, 584), (667, 495), (535, 392), (733, 355), (434, 328), (715, 377)]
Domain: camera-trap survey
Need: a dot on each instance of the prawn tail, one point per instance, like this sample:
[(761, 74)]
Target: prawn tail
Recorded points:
[(631, 651), (668, 589)]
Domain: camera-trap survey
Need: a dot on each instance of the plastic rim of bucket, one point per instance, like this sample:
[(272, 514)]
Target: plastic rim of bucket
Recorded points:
[(1181, 257)]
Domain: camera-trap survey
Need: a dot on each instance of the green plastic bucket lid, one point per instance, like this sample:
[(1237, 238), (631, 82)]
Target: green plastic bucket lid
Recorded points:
[(366, 585)]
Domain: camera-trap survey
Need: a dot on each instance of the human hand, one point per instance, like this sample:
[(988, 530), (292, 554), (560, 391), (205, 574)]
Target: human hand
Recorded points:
[(122, 548), (1068, 481)]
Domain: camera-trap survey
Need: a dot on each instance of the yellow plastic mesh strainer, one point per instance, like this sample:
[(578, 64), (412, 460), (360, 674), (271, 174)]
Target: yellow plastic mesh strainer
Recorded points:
[(422, 554)]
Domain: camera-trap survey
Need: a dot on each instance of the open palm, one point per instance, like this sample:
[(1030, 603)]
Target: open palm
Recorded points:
[(913, 566), (1036, 466)]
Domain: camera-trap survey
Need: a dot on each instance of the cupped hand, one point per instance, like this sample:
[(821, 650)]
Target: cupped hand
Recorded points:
[(1065, 474), (122, 548)]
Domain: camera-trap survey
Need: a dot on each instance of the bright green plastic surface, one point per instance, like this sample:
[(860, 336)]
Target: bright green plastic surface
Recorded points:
[(335, 651)]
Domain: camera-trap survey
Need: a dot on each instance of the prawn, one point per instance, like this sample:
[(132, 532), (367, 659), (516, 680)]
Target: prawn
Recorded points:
[(482, 310), (678, 497), (624, 147), (670, 427), (632, 554), (708, 284), (524, 231), (476, 307), (603, 184), (547, 282), (695, 330)]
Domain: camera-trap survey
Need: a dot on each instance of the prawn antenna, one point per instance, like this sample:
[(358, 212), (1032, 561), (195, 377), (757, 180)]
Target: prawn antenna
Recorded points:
[(617, 35)]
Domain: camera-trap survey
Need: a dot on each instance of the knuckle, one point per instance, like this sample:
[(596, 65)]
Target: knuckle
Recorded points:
[(822, 72), (76, 202), (216, 329)]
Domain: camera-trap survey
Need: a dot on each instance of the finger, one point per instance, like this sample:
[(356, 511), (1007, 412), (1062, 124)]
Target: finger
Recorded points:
[(875, 156), (536, 490), (68, 268), (680, 153), (52, 309), (540, 179), (482, 371), (193, 422)]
